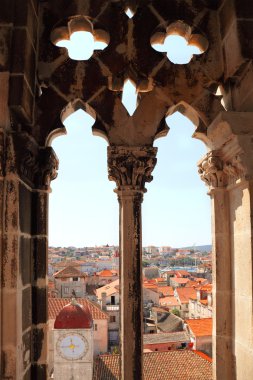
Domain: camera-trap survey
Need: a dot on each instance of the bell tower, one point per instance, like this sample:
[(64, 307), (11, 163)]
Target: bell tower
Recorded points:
[(73, 343)]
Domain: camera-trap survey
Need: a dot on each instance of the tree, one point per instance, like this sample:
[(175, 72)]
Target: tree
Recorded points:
[(176, 312)]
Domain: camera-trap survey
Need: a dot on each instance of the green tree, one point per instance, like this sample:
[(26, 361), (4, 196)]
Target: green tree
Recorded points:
[(176, 312)]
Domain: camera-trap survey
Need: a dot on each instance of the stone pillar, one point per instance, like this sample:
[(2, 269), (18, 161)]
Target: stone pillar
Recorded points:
[(28, 170), (130, 168), (47, 164), (211, 171)]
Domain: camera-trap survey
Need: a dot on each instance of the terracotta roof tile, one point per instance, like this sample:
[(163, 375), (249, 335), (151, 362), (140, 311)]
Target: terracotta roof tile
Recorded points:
[(180, 280), (169, 301), (184, 294), (55, 305), (150, 286), (166, 290), (65, 263), (178, 336), (167, 365), (200, 327), (69, 271), (182, 272), (206, 288), (106, 273)]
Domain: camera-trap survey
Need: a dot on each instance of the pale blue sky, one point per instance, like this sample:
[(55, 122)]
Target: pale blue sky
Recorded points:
[(84, 208)]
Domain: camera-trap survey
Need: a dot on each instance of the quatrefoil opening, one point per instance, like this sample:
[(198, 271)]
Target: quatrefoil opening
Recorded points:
[(179, 43), (79, 38)]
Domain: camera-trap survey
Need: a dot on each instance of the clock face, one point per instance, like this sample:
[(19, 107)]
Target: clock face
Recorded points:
[(72, 346)]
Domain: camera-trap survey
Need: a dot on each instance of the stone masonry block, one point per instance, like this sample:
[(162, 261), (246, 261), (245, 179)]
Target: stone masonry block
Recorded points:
[(244, 9), (8, 364), (227, 17), (26, 349), (21, 99), (23, 56), (25, 200), (37, 343), (11, 210), (39, 254), (245, 28), (25, 260), (40, 213), (5, 41), (27, 375), (26, 308), (39, 372), (7, 11), (10, 261), (232, 43), (26, 16), (39, 305)]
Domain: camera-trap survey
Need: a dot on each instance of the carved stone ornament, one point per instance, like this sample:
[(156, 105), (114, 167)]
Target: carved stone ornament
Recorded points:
[(210, 170), (218, 173), (131, 167), (49, 165), (37, 166)]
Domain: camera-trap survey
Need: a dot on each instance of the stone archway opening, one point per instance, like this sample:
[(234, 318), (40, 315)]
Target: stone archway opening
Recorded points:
[(79, 193), (83, 172), (177, 193)]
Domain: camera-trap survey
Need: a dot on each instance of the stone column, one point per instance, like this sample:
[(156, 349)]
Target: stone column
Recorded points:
[(211, 171), (47, 165), (130, 168), (27, 171), (228, 171)]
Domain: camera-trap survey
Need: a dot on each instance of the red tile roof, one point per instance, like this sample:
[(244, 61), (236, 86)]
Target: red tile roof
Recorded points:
[(185, 294), (182, 272), (68, 272), (73, 316), (55, 305), (166, 291), (179, 280), (147, 285), (168, 301), (160, 279), (205, 288), (65, 263), (106, 273), (200, 327), (169, 365)]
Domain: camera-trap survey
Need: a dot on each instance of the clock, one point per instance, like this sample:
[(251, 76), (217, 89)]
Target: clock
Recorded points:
[(72, 346)]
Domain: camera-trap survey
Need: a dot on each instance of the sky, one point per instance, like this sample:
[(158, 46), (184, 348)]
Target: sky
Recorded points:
[(84, 209)]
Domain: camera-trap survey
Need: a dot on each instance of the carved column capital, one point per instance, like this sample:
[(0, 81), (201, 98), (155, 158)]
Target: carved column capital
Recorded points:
[(210, 169), (218, 172), (48, 166), (131, 167), (36, 165)]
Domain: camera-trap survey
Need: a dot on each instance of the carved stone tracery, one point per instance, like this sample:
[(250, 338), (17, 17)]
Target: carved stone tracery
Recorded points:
[(131, 167)]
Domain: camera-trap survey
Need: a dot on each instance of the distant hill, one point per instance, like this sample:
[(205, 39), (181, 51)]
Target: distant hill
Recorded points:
[(201, 248)]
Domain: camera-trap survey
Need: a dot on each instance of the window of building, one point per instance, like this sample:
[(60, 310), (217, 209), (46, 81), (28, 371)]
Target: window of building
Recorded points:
[(75, 278), (112, 318)]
